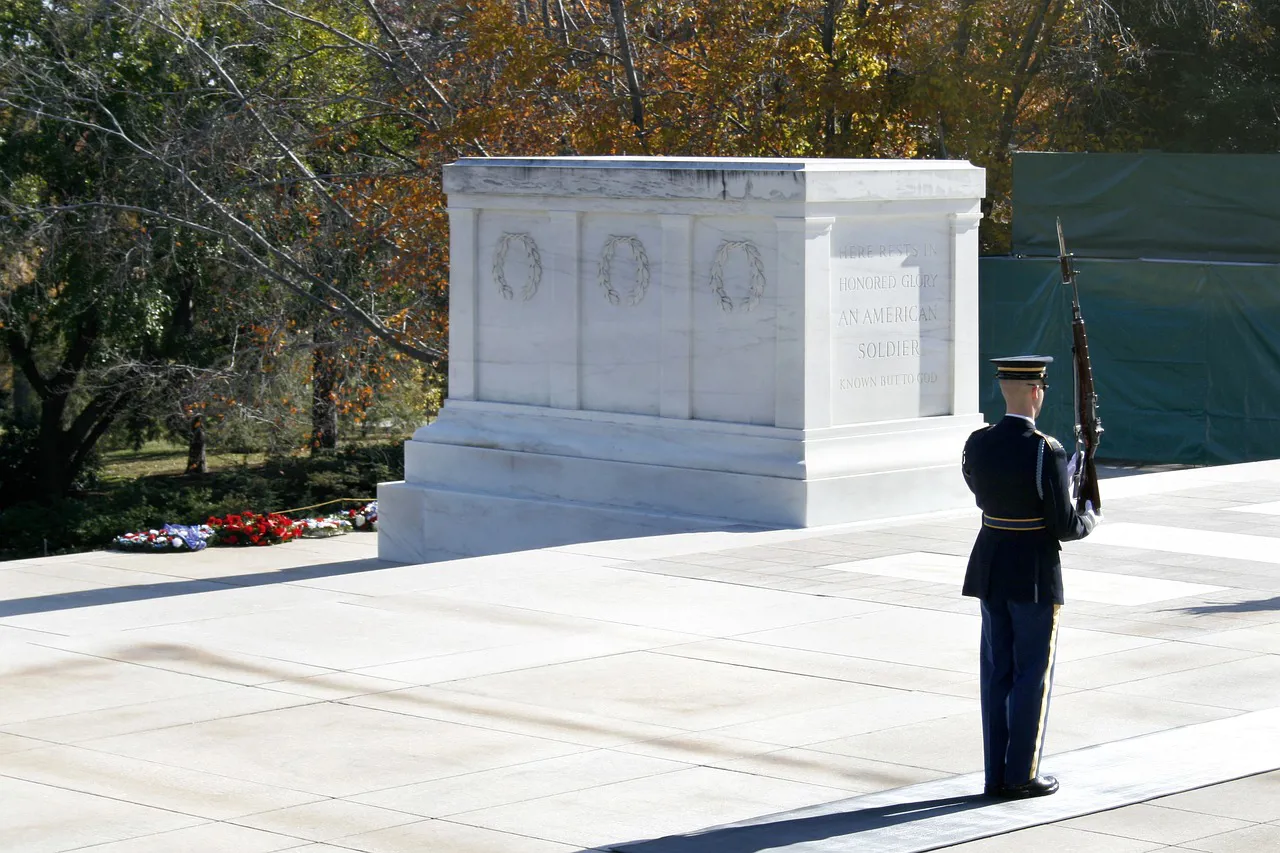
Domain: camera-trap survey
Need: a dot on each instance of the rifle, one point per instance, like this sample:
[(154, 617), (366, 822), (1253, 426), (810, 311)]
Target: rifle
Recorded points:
[(1088, 425)]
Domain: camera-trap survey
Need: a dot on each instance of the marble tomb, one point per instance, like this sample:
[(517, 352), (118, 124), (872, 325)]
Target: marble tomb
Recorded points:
[(655, 345)]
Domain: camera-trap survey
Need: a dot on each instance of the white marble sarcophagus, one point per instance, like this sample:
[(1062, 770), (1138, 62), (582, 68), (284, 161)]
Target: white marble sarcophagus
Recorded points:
[(654, 345)]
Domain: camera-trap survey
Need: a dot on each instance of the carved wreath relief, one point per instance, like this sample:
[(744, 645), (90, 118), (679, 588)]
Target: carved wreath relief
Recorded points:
[(755, 286), (636, 294), (534, 278)]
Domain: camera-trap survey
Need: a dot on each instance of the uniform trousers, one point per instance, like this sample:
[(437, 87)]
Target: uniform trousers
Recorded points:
[(1019, 640)]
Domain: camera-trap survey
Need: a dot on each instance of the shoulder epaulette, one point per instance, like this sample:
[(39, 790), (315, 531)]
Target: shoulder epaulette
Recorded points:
[(1053, 443)]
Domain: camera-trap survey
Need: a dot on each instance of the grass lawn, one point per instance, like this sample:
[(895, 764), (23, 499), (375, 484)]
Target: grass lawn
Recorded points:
[(163, 457)]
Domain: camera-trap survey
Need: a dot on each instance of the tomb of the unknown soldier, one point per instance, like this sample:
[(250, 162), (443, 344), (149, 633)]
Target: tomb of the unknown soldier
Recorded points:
[(653, 345)]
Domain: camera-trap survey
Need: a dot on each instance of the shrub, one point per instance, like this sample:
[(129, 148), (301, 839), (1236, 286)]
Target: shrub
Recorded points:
[(91, 520)]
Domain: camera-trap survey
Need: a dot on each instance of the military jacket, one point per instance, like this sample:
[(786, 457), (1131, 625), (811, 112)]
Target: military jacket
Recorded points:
[(1018, 476)]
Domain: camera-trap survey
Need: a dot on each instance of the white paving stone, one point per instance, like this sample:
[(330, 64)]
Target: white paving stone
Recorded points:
[(39, 681), (208, 795), (1254, 798), (662, 690), (152, 648), (861, 670), (523, 716), (1188, 540), (938, 640), (1268, 508), (197, 600), (1153, 823), (1248, 684), (876, 711), (442, 835), (658, 601), (674, 802), (205, 838), (569, 677), (933, 815), (1148, 661), (519, 783), (845, 772), (46, 819), (142, 715), (1079, 584), (326, 820), (332, 750), (1263, 638)]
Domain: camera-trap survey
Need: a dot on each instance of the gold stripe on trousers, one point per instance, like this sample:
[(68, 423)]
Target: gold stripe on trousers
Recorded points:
[(1044, 700)]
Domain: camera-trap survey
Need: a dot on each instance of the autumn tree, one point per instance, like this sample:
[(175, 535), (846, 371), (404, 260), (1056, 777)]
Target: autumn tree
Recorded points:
[(259, 133), (296, 146)]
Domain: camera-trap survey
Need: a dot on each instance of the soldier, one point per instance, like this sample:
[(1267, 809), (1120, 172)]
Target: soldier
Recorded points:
[(1019, 477)]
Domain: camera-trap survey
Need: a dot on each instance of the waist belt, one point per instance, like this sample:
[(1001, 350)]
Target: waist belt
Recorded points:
[(1012, 523)]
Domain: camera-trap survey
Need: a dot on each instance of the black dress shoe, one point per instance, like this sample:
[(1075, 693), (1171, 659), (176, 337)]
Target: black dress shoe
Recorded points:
[(991, 790), (1040, 786)]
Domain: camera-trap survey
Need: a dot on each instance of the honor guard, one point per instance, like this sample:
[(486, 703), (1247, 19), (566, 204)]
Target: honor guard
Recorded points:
[(1020, 478)]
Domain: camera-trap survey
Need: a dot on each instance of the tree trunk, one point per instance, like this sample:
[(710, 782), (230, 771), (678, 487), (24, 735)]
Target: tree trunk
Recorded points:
[(62, 450), (565, 22), (26, 407), (830, 14), (629, 66), (197, 463), (1039, 31), (52, 477), (324, 399)]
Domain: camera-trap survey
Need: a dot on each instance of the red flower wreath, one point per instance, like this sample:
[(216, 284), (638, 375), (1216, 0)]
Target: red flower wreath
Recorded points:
[(249, 528)]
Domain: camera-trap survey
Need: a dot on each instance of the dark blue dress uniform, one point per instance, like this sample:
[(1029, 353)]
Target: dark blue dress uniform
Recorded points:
[(1019, 477)]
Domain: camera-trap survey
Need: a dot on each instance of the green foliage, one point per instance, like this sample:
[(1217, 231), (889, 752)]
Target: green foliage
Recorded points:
[(91, 521), (20, 473)]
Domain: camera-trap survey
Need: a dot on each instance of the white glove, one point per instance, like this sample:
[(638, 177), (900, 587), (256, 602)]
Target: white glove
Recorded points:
[(1092, 518), (1072, 464)]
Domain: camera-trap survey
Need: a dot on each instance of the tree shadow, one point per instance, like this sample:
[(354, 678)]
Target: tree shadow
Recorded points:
[(782, 833), (1261, 605), (166, 589)]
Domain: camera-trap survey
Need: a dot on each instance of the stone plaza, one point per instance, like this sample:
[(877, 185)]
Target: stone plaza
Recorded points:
[(676, 570), (816, 685)]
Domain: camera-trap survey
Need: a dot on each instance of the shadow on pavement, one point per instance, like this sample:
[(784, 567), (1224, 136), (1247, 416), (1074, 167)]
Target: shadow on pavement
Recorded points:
[(1259, 606), (782, 833), (166, 589)]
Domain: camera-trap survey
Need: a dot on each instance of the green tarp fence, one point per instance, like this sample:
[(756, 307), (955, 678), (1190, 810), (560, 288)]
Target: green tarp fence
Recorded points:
[(1215, 207), (1186, 355)]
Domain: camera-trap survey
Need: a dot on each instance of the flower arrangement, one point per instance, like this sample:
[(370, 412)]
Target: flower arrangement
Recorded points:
[(170, 538), (318, 528), (248, 528), (364, 518)]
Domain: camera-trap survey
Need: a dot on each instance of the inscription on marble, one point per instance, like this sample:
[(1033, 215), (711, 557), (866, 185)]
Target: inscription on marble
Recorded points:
[(883, 250), (887, 314), (891, 320), (906, 281), (853, 383)]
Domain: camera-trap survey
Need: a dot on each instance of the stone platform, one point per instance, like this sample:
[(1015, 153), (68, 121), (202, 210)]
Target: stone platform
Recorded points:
[(645, 695)]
